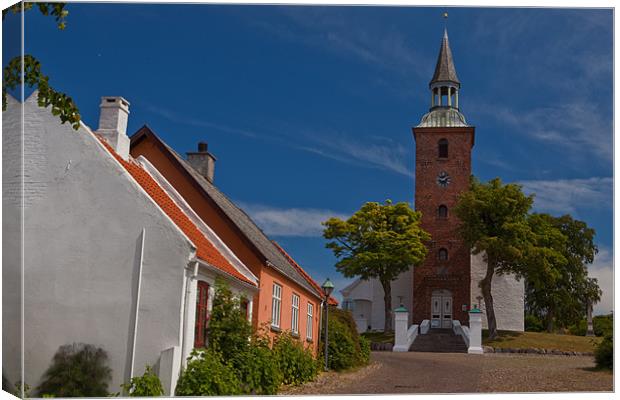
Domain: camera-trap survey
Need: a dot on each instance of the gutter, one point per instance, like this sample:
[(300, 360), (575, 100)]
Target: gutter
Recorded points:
[(135, 323)]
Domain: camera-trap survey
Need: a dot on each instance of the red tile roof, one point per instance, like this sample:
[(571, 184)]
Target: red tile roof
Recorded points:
[(311, 281), (204, 248)]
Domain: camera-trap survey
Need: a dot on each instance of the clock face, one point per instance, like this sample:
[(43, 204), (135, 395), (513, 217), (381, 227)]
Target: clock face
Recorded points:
[(443, 179)]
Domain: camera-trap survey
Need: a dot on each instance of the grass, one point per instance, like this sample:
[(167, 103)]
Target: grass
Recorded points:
[(541, 340), (379, 337)]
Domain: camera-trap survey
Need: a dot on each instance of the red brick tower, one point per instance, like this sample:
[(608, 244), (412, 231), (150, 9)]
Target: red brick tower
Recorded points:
[(443, 140)]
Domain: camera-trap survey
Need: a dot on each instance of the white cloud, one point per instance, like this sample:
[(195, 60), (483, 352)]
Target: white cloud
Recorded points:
[(569, 195), (387, 155), (578, 127), (603, 270), (289, 221)]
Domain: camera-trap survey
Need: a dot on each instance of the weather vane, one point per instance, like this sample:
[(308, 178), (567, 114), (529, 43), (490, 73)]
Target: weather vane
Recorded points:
[(445, 19)]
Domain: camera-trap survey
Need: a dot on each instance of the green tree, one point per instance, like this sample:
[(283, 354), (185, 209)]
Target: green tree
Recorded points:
[(32, 76), (378, 241), (494, 222), (229, 330), (561, 294)]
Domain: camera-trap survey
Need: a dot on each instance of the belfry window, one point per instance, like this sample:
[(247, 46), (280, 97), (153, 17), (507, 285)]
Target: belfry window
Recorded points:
[(443, 255), (443, 148), (442, 212)]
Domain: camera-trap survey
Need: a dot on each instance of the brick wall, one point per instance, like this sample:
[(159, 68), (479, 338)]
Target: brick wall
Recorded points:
[(452, 274)]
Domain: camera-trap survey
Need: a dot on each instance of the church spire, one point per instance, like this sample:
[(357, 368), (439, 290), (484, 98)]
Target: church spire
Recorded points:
[(444, 86), (444, 70)]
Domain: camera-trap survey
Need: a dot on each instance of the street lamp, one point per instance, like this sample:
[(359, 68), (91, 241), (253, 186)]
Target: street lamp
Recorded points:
[(328, 288)]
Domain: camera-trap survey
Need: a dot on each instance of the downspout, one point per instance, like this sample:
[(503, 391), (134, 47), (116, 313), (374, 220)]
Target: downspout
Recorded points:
[(188, 287), (135, 323)]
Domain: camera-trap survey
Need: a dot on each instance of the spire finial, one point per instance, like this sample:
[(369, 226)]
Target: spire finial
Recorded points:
[(445, 21)]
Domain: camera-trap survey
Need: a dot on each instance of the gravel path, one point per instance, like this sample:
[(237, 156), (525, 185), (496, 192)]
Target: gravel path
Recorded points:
[(462, 373)]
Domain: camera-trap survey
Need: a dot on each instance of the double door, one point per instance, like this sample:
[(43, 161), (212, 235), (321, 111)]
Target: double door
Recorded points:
[(441, 310)]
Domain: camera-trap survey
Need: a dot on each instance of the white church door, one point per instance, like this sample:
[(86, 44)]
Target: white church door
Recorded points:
[(441, 309)]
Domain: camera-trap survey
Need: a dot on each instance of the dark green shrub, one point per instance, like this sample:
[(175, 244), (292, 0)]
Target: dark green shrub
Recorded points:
[(364, 350), (296, 363), (77, 370), (533, 323), (207, 375), (229, 328), (342, 352), (347, 348), (144, 386), (258, 369), (604, 353), (602, 324)]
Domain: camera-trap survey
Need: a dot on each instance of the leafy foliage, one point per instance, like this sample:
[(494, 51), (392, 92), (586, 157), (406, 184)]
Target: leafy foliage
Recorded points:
[(56, 10), (144, 386), (296, 363), (494, 222), (558, 289), (603, 325), (229, 329), (604, 353), (77, 370), (533, 323), (378, 241), (346, 348), (207, 374), (259, 370), (12, 77)]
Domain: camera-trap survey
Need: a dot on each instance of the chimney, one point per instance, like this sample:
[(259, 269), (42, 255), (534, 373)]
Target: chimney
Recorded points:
[(203, 161), (113, 115)]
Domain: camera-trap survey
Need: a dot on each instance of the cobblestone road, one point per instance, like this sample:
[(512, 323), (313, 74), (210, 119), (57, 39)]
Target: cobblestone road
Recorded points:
[(463, 373)]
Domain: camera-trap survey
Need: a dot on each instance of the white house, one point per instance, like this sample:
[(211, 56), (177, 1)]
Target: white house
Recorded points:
[(111, 254)]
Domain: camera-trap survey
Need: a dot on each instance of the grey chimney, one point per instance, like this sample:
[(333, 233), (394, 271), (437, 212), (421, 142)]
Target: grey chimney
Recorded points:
[(203, 161), (113, 116)]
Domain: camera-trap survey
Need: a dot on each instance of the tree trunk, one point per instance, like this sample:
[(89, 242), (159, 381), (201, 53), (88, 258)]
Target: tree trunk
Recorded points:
[(485, 286), (550, 321), (387, 300)]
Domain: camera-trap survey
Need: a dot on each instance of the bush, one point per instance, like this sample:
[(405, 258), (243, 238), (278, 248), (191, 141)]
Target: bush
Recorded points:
[(604, 353), (346, 347), (207, 375), (296, 363), (258, 369), (364, 350), (144, 386), (229, 329), (602, 324), (533, 323), (77, 370)]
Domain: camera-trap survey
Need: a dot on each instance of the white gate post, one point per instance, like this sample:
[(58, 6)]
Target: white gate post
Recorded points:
[(475, 331), (401, 319)]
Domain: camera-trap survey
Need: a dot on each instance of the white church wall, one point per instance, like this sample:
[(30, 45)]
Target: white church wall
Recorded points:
[(508, 296), (82, 228), (371, 307)]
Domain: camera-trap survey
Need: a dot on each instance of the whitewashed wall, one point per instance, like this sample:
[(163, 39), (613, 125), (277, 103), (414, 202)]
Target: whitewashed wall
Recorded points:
[(83, 220), (508, 296)]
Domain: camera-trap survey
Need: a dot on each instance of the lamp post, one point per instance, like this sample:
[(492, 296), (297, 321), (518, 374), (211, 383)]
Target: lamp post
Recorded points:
[(328, 288)]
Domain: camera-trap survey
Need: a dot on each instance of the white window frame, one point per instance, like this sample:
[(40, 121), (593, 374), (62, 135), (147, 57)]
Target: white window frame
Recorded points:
[(309, 320), (276, 305), (295, 314)]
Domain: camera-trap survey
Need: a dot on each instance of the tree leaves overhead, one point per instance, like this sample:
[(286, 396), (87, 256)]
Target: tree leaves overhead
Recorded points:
[(62, 105), (378, 241), (57, 10)]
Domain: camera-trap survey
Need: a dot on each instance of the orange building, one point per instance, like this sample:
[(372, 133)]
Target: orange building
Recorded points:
[(288, 299)]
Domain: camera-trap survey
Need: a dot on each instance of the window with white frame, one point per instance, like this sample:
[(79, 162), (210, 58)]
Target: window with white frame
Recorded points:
[(309, 321), (276, 302), (295, 315)]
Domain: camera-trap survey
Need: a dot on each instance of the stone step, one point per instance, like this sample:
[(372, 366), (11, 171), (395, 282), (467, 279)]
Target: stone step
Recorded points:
[(439, 341)]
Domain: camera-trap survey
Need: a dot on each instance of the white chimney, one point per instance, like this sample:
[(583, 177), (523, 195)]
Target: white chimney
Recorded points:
[(114, 112), (203, 161)]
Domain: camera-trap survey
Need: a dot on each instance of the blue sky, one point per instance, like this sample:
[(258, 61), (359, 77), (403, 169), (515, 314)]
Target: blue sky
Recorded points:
[(309, 109)]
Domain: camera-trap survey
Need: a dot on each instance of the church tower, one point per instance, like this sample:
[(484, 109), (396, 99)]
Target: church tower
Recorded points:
[(443, 141)]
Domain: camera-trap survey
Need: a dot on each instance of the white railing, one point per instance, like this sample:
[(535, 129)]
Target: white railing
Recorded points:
[(425, 326), (461, 330), (405, 343)]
